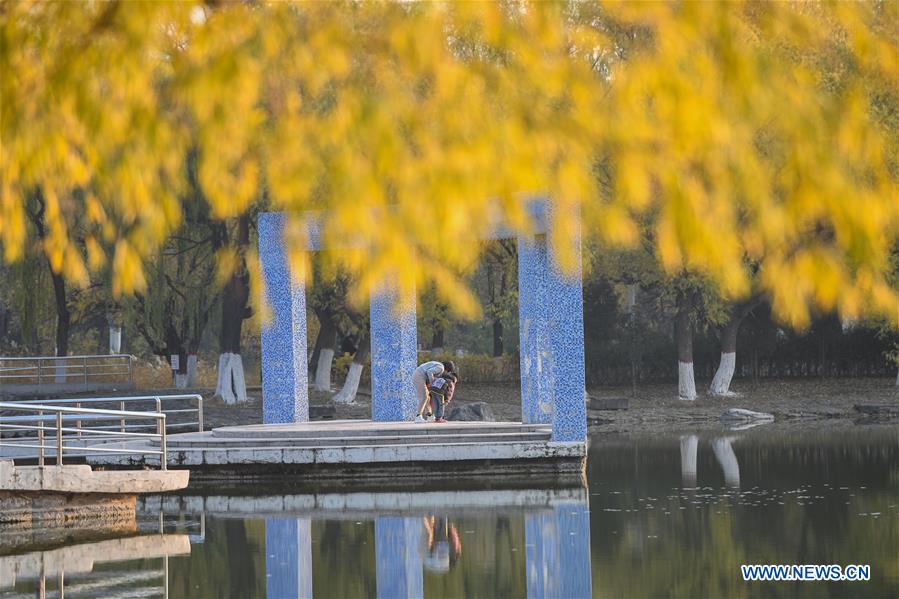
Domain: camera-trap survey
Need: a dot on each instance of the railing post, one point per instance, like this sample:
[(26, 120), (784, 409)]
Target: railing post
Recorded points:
[(59, 438), (164, 459), (122, 421), (39, 373), (40, 438), (200, 413), (130, 369), (78, 422), (84, 367)]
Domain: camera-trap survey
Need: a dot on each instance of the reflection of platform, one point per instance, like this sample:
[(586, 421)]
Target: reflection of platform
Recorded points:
[(80, 559), (366, 449), (337, 506)]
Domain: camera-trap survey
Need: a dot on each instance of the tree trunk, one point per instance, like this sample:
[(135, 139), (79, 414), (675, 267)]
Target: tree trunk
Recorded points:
[(437, 341), (351, 385), (725, 373), (231, 385), (192, 370), (115, 339), (683, 332), (63, 320), (328, 334), (179, 374), (497, 337), (63, 316)]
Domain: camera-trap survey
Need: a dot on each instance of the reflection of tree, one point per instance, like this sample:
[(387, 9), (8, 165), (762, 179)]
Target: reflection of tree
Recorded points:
[(343, 558), (724, 453), (688, 447), (231, 563)]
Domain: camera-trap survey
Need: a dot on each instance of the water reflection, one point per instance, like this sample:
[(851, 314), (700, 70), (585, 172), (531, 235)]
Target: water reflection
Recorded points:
[(288, 557), (84, 568), (724, 454), (443, 546), (685, 511), (399, 556), (409, 543), (558, 552), (668, 515)]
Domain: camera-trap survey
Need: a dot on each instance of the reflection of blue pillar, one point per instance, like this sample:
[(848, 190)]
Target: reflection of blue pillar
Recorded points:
[(533, 331), (288, 558), (284, 385), (398, 556), (565, 300), (541, 555), (557, 556), (393, 358)]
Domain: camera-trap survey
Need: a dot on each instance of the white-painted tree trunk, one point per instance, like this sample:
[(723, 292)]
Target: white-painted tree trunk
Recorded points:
[(192, 370), (686, 384), (60, 372), (323, 370), (231, 385), (723, 376), (688, 447), (347, 394), (179, 380), (726, 457), (115, 339)]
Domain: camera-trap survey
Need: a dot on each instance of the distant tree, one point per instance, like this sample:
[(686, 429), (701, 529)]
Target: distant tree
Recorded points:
[(500, 266), (234, 237), (362, 325), (433, 319), (172, 313), (328, 300)]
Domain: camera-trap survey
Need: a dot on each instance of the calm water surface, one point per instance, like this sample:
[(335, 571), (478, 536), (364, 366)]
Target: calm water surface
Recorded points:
[(661, 516)]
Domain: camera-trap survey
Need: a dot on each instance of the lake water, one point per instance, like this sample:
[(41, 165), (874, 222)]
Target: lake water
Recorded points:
[(667, 515)]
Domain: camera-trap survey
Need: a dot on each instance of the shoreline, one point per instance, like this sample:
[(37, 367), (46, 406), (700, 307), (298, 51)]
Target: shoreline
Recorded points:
[(795, 403)]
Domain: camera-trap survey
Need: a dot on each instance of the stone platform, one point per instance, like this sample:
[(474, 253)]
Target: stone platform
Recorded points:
[(362, 449), (81, 479)]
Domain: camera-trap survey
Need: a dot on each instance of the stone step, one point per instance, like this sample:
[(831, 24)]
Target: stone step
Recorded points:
[(208, 441), (351, 428)]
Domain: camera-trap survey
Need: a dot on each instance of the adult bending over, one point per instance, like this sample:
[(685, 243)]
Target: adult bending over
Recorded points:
[(423, 376)]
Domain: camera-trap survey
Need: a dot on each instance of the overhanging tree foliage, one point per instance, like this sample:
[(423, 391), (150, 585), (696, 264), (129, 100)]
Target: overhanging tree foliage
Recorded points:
[(759, 129)]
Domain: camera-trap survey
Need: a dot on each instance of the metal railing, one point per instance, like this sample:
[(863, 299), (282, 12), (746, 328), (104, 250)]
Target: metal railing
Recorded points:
[(157, 402), (75, 437), (53, 373)]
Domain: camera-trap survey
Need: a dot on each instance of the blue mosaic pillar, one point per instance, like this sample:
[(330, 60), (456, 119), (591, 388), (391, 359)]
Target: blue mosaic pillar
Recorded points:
[(557, 552), (393, 358), (533, 331), (565, 310), (288, 558), (398, 557), (284, 377)]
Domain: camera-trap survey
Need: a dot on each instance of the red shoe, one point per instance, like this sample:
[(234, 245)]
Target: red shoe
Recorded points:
[(440, 420)]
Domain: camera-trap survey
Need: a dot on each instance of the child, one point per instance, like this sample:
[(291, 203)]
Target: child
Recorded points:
[(422, 378), (441, 393)]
